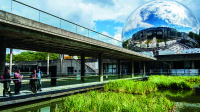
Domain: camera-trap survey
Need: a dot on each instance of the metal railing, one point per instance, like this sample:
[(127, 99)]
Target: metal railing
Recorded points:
[(27, 11), (62, 82)]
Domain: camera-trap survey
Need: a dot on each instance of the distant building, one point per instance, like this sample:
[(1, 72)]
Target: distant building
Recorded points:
[(160, 38)]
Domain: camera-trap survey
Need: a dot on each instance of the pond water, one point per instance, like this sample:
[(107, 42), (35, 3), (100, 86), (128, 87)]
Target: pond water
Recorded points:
[(186, 101)]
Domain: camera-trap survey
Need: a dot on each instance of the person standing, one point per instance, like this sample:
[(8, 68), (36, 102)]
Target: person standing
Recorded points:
[(40, 80), (6, 82), (17, 77), (34, 79)]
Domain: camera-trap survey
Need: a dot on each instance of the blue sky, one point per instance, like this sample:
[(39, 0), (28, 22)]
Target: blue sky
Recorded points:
[(104, 16)]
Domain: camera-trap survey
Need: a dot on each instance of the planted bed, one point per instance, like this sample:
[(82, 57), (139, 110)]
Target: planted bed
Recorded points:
[(133, 96)]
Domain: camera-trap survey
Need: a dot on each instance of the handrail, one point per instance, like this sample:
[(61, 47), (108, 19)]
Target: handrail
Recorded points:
[(65, 20), (68, 77)]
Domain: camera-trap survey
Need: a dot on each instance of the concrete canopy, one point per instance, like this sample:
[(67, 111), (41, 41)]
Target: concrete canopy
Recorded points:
[(26, 34)]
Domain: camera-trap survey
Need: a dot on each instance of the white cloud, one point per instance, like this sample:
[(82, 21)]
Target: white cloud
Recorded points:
[(85, 13), (105, 33), (15, 51), (118, 36)]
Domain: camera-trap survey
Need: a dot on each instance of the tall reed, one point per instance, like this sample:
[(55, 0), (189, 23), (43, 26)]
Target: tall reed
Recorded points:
[(95, 101)]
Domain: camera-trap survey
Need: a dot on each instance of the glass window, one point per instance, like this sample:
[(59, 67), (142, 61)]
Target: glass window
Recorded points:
[(114, 66), (110, 66)]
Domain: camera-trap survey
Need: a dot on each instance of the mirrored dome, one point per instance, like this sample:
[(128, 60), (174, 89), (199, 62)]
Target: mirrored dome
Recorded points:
[(157, 14)]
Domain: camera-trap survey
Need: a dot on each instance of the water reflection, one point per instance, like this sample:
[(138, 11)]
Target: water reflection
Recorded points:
[(186, 101), (36, 106)]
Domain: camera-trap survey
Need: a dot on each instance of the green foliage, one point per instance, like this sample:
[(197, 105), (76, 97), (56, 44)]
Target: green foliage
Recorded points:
[(160, 40), (175, 93), (95, 101), (194, 35), (32, 56), (125, 44), (179, 34), (79, 57), (192, 79), (130, 86), (170, 82), (154, 83)]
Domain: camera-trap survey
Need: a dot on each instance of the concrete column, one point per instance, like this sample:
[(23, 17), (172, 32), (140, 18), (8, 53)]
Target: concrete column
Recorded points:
[(2, 55), (144, 70), (82, 66), (118, 68), (11, 60), (132, 68), (2, 60), (61, 62), (48, 64), (170, 68), (100, 61), (193, 67)]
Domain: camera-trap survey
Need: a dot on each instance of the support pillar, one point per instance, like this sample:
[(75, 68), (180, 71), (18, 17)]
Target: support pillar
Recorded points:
[(144, 74), (140, 68), (11, 61), (100, 68), (53, 74), (193, 67), (118, 68), (2, 60), (132, 68), (82, 66), (2, 55), (170, 68), (61, 62), (48, 64)]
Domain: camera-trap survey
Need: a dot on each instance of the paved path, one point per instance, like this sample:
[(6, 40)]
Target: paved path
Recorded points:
[(52, 92)]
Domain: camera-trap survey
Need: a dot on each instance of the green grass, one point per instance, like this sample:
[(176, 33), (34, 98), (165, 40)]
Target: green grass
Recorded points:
[(95, 101), (171, 82), (154, 83), (130, 86), (131, 96)]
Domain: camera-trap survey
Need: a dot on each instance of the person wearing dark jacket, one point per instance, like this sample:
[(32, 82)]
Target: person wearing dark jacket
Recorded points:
[(6, 82), (34, 78)]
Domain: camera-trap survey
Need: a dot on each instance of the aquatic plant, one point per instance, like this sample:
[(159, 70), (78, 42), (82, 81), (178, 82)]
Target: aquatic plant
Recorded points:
[(130, 86), (175, 93), (95, 101), (170, 82), (154, 83)]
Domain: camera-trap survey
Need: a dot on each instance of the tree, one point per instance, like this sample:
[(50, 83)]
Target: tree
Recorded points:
[(125, 44), (194, 35), (32, 56)]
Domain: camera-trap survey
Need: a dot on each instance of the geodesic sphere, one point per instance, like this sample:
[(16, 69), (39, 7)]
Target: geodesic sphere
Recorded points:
[(161, 13)]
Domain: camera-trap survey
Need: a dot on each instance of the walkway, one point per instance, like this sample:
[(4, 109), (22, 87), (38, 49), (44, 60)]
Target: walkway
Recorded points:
[(52, 92)]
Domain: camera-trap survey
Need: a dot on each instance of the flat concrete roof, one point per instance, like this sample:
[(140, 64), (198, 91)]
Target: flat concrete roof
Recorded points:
[(26, 34)]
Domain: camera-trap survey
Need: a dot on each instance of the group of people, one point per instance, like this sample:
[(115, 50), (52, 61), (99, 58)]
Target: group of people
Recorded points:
[(7, 80), (35, 81)]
